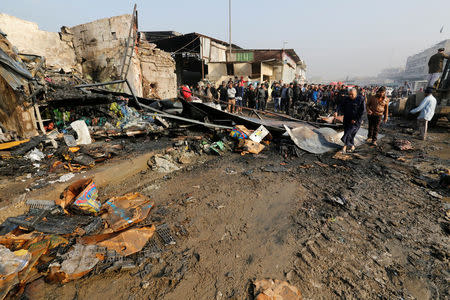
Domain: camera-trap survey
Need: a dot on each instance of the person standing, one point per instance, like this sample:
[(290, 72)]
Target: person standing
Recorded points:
[(353, 111), (435, 65), (314, 94), (284, 96), (239, 95), (289, 99), (377, 107), (231, 93), (426, 109), (261, 97), (186, 92), (250, 97), (208, 93), (223, 93), (276, 96), (297, 93)]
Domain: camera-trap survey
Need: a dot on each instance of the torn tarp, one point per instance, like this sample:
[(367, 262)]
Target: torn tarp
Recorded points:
[(321, 140)]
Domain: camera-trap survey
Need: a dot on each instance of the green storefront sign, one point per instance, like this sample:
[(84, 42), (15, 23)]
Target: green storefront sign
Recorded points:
[(244, 56)]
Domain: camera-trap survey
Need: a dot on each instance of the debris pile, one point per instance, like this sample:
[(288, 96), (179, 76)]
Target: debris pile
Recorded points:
[(65, 239), (249, 141), (308, 111), (403, 145)]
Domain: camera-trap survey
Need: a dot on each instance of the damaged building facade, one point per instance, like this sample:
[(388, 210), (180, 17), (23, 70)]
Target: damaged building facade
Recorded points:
[(96, 51), (202, 57)]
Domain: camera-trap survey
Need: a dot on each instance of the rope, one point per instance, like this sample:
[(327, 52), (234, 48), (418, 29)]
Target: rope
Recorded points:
[(187, 44)]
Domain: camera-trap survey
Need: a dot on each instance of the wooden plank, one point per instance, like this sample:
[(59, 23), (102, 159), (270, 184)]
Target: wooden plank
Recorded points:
[(12, 144)]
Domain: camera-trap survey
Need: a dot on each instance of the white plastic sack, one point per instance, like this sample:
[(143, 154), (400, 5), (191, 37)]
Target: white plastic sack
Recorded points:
[(84, 138)]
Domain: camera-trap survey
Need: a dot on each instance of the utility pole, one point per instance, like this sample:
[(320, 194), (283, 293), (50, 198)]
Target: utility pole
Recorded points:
[(282, 60), (229, 23)]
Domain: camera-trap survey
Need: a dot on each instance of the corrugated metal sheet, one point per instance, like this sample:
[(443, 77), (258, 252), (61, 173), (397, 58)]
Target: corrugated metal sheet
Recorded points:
[(14, 73)]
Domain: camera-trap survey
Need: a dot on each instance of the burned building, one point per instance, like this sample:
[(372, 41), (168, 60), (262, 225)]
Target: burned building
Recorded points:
[(199, 57), (16, 112), (193, 52), (260, 65), (96, 51), (100, 51)]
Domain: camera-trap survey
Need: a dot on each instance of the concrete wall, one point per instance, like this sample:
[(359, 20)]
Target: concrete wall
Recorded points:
[(100, 46), (28, 39), (266, 69), (158, 72), (243, 69), (216, 71)]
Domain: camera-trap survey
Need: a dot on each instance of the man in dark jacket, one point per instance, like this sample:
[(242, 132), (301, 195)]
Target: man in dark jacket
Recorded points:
[(276, 96), (250, 97), (435, 65), (261, 96), (290, 95), (353, 108), (223, 92), (297, 93)]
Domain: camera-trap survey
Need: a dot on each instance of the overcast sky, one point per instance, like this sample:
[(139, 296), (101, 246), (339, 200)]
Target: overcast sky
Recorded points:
[(335, 38)]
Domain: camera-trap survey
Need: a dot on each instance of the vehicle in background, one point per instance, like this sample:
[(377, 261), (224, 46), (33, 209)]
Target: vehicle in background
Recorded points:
[(442, 95)]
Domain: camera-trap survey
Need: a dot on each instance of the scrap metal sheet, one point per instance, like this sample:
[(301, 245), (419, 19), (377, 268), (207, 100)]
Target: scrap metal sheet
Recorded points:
[(322, 140)]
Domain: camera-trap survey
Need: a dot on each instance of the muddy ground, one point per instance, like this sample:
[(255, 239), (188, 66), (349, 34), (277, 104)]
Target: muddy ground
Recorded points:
[(365, 228)]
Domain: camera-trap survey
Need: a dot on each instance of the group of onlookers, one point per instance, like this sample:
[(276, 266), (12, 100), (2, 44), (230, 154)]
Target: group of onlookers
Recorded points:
[(349, 101)]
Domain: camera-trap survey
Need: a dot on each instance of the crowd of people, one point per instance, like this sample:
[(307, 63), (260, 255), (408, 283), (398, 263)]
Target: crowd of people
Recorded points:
[(349, 102), (239, 93)]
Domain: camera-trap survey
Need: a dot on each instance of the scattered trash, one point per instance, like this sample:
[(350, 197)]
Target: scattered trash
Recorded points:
[(59, 240), (125, 242), (268, 289), (84, 138), (218, 147), (259, 134), (80, 195), (35, 155), (70, 140), (340, 200), (403, 145), (435, 195), (124, 211), (240, 132), (165, 234), (230, 171), (77, 262), (162, 164), (64, 178), (252, 147)]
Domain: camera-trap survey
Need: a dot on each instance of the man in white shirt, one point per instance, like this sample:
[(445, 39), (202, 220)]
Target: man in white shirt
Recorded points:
[(426, 109), (231, 93)]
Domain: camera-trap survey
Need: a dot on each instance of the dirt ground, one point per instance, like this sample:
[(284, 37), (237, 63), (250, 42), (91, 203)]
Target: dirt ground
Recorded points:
[(365, 228)]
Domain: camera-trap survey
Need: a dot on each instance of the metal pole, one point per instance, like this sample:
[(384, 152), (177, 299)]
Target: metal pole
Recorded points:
[(99, 84), (229, 22)]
